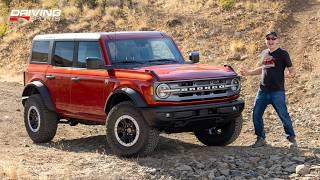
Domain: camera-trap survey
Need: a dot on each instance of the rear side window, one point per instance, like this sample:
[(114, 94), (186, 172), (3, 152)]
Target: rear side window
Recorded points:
[(88, 50), (40, 51), (63, 54)]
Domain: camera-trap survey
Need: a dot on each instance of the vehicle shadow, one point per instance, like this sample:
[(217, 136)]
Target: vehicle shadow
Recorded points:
[(169, 147), (171, 153)]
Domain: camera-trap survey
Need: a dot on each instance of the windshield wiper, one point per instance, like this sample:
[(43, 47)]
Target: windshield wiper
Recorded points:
[(128, 62), (162, 60)]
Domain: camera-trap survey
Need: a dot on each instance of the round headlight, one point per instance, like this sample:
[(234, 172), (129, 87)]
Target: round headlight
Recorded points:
[(235, 84), (160, 91)]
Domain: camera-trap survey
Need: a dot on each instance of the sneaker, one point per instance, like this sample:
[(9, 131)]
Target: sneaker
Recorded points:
[(292, 142), (260, 142)]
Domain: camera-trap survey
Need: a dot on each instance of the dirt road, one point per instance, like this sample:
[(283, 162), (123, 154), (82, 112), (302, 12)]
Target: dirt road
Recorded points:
[(79, 152)]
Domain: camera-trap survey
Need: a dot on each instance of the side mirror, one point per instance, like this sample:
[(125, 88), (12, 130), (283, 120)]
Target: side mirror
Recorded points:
[(194, 57), (94, 63)]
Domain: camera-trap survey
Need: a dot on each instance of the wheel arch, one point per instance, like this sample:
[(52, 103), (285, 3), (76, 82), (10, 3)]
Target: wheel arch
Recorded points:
[(37, 87), (124, 94)]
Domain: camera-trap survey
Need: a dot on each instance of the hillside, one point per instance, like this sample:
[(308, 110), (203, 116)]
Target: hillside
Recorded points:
[(230, 33)]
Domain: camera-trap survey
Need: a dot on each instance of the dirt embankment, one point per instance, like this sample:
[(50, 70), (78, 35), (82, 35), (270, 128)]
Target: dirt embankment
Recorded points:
[(80, 153)]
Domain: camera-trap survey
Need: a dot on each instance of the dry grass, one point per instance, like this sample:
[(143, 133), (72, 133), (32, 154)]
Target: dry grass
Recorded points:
[(237, 46), (78, 27), (49, 3), (13, 36), (71, 13), (262, 5), (91, 13)]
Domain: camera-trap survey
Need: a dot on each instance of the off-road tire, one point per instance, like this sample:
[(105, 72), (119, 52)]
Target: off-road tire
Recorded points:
[(228, 133), (47, 120), (147, 139)]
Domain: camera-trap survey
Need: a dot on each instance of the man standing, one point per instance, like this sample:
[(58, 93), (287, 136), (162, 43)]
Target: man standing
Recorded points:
[(274, 60)]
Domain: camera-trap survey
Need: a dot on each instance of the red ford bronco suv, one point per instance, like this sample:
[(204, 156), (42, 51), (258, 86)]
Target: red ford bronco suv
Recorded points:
[(137, 84)]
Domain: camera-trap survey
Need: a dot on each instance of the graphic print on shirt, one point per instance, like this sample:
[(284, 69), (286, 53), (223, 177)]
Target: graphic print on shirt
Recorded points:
[(267, 60)]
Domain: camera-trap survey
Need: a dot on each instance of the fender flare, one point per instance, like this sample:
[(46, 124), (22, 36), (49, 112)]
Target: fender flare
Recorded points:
[(134, 96), (43, 91)]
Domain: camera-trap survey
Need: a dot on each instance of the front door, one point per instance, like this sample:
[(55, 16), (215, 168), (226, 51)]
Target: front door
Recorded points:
[(88, 86)]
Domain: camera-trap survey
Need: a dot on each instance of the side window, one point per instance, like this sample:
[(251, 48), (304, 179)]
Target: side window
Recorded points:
[(40, 51), (63, 54), (88, 49)]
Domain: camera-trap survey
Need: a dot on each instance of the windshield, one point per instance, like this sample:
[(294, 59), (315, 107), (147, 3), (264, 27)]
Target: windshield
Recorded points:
[(143, 51)]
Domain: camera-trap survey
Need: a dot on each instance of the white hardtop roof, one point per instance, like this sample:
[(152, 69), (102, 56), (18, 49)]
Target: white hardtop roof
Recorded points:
[(91, 36)]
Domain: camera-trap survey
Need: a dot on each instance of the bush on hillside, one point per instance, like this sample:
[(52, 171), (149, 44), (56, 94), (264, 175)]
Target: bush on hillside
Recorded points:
[(227, 4), (3, 29)]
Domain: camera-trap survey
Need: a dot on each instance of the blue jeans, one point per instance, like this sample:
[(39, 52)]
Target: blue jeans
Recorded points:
[(278, 100)]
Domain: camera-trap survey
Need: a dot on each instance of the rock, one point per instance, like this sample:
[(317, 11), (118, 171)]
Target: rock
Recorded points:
[(220, 178), (211, 174), (234, 56), (184, 168), (299, 159), (199, 165), (237, 34), (225, 172), (151, 170), (222, 165), (275, 157), (254, 160), (302, 169), (173, 23), (244, 57), (290, 169)]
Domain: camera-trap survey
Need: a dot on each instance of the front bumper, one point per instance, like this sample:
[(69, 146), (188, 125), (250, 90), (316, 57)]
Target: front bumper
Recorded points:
[(191, 117)]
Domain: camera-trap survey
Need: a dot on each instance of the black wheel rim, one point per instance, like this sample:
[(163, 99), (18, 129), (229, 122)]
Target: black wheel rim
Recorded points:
[(126, 130)]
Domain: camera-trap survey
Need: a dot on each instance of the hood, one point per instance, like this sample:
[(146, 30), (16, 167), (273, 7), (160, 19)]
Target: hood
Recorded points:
[(173, 72)]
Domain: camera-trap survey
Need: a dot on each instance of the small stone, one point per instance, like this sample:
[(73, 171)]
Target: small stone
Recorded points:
[(225, 172), (184, 168), (299, 159), (211, 174), (237, 34), (244, 57), (302, 169), (275, 158), (220, 178), (223, 165), (291, 169), (235, 56), (199, 165), (254, 160)]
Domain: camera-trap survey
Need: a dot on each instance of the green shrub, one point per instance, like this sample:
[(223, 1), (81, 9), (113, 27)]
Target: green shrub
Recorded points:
[(227, 4), (3, 29)]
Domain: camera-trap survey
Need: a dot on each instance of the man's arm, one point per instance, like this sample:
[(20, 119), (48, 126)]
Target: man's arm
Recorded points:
[(292, 72), (257, 71)]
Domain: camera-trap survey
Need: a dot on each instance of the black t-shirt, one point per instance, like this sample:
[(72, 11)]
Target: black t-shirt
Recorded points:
[(273, 66)]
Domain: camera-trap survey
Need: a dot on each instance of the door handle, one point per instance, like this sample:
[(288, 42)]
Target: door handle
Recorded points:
[(75, 79), (50, 76)]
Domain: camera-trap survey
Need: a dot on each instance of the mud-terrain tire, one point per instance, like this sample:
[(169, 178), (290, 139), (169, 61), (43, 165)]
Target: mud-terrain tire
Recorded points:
[(127, 132), (220, 136), (41, 123)]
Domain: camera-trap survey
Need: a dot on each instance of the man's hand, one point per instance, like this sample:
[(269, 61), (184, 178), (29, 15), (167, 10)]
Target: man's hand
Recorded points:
[(291, 73), (244, 72)]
